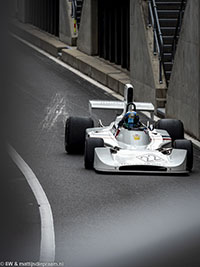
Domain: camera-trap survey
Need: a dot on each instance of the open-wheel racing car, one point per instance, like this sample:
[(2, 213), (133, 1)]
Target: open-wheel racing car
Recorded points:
[(127, 144)]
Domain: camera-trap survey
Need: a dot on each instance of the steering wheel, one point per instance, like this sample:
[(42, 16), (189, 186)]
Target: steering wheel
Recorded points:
[(129, 104)]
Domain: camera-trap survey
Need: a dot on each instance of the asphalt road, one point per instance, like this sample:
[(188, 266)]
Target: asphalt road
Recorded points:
[(100, 220)]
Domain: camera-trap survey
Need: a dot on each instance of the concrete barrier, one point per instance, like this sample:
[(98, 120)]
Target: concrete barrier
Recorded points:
[(95, 68), (38, 38), (183, 99), (88, 33)]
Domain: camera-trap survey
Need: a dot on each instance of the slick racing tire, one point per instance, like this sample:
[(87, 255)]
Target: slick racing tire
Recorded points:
[(90, 144), (187, 145), (174, 128), (75, 134)]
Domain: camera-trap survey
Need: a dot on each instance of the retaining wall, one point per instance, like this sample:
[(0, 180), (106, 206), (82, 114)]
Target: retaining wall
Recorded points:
[(183, 100)]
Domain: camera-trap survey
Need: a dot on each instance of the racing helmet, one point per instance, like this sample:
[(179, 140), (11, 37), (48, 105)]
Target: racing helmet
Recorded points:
[(131, 120)]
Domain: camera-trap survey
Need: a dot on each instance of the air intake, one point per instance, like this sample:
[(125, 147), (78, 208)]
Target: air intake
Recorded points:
[(143, 168)]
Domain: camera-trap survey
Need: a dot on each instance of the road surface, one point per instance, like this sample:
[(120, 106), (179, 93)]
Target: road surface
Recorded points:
[(99, 220)]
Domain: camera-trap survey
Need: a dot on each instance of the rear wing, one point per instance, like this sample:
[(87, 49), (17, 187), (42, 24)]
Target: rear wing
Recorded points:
[(108, 105), (120, 105)]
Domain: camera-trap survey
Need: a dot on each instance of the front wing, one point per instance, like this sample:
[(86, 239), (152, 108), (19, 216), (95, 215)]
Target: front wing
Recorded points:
[(140, 161)]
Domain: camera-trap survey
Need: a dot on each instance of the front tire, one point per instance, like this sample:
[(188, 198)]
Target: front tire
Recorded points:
[(90, 144), (174, 128), (75, 134), (187, 145)]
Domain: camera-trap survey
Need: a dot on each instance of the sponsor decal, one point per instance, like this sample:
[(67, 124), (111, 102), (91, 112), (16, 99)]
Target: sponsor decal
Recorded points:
[(149, 158), (166, 138), (136, 137)]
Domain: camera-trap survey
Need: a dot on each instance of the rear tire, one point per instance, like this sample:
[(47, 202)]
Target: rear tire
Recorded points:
[(75, 134), (174, 128), (187, 145), (90, 144)]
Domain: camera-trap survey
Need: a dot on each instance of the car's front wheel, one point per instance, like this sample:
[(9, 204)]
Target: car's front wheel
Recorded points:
[(187, 145), (75, 134), (90, 145)]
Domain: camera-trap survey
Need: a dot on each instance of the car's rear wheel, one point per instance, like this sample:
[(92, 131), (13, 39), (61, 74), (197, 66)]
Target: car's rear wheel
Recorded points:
[(187, 145), (75, 134), (174, 128), (90, 145)]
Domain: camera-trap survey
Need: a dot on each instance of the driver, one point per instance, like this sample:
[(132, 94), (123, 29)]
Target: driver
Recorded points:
[(130, 120)]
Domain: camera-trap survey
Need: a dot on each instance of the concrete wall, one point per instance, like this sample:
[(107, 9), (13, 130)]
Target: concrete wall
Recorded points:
[(141, 70), (66, 24), (88, 32), (183, 101)]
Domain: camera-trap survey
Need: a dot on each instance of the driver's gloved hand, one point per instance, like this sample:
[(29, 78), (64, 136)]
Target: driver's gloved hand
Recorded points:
[(121, 123)]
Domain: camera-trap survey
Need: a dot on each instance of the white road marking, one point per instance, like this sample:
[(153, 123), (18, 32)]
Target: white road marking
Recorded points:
[(47, 244), (85, 77)]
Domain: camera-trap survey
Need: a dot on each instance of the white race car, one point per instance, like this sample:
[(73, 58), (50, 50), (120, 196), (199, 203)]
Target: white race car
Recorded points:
[(128, 145)]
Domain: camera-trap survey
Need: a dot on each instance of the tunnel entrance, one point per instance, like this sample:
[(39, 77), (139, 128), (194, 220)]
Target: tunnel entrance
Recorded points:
[(114, 31), (44, 14)]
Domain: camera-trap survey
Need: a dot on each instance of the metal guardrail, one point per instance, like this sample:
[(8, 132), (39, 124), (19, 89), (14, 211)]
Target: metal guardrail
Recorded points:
[(178, 27), (157, 35), (114, 32), (74, 14), (74, 9), (43, 14)]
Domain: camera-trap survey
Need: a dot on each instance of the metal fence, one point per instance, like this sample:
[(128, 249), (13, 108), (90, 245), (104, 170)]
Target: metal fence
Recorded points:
[(44, 14), (114, 31)]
